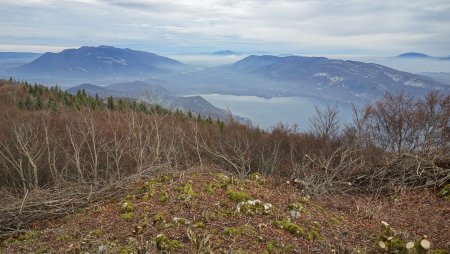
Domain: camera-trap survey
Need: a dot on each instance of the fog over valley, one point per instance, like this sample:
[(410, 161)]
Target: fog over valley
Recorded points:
[(262, 88), (326, 52)]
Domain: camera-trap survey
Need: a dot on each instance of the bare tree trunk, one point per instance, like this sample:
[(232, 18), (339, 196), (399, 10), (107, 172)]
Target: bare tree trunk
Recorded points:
[(15, 161), (76, 152), (139, 139), (51, 155), (92, 145), (120, 142), (30, 147), (197, 143)]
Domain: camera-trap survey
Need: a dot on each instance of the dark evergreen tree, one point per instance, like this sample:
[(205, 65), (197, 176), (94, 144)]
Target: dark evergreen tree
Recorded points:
[(38, 104), (121, 105), (28, 103), (110, 103), (142, 107), (51, 104)]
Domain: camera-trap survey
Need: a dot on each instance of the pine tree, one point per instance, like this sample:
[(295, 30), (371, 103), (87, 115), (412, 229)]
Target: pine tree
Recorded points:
[(51, 104), (28, 103), (98, 102), (142, 107), (121, 105), (110, 103), (21, 104), (39, 104)]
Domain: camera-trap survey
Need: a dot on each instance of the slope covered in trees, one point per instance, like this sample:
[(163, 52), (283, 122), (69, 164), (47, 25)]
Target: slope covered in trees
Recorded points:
[(60, 153)]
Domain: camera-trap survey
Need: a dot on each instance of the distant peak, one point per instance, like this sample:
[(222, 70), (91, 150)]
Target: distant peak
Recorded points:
[(413, 54), (98, 47), (225, 52)]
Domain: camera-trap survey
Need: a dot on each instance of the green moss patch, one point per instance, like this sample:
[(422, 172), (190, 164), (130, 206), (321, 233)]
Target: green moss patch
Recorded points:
[(163, 243), (290, 227), (254, 207), (237, 196), (445, 192)]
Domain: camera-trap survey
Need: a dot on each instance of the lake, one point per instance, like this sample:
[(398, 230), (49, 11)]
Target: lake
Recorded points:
[(266, 113)]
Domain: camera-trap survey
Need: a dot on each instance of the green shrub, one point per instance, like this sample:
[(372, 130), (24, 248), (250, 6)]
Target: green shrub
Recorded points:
[(164, 243), (271, 245), (159, 218), (164, 197), (127, 207), (257, 177), (187, 193), (237, 196), (127, 216), (313, 234), (292, 228), (445, 192)]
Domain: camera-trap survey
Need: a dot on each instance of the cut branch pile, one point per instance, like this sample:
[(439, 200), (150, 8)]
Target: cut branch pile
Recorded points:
[(408, 170), (38, 206)]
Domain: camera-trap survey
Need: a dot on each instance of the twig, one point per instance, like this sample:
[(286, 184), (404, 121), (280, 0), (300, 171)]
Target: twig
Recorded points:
[(23, 201)]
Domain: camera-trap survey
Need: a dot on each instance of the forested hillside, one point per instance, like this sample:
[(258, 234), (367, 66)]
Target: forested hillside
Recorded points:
[(119, 175)]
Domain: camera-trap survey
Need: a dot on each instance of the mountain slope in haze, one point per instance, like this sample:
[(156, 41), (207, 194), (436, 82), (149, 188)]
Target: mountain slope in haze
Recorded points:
[(157, 94), (416, 55), (135, 90), (275, 76), (225, 52), (443, 77), (413, 55), (18, 55), (10, 60), (97, 62), (264, 76), (336, 78)]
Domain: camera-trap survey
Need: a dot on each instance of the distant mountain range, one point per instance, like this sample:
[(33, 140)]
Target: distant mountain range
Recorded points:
[(157, 94), (97, 62), (274, 76), (336, 78), (258, 75)]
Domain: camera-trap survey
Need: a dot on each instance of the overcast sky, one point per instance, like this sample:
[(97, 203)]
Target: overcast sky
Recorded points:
[(363, 27)]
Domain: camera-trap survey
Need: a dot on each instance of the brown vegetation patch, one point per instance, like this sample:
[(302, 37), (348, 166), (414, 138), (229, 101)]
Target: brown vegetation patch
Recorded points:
[(346, 220)]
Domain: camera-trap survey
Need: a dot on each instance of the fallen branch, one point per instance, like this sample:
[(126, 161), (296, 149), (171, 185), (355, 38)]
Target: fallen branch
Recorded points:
[(18, 216)]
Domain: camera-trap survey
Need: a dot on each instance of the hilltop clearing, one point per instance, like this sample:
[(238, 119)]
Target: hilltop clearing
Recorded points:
[(201, 211), (84, 174)]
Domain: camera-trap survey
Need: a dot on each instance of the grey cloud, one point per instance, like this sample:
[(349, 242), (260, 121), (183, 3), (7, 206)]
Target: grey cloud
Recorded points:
[(384, 27)]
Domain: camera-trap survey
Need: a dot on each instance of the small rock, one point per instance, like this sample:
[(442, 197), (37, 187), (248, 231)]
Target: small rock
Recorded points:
[(102, 249)]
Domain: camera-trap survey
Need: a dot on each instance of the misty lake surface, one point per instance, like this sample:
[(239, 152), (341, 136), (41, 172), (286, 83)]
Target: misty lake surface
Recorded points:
[(266, 113)]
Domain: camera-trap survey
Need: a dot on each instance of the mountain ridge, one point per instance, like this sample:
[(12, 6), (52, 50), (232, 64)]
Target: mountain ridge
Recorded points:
[(157, 94), (413, 55), (336, 76), (258, 75), (97, 62)]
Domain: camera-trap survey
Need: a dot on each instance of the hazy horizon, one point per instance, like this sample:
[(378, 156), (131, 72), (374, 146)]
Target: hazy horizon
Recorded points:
[(322, 27)]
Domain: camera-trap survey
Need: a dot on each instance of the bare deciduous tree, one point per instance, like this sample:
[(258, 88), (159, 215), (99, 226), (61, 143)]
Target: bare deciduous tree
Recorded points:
[(326, 122), (23, 152)]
